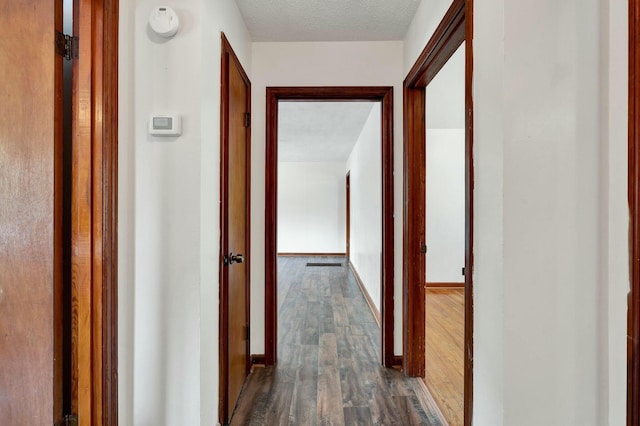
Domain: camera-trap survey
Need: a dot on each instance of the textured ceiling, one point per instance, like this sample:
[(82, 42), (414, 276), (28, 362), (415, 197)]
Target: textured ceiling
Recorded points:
[(327, 20), (319, 131)]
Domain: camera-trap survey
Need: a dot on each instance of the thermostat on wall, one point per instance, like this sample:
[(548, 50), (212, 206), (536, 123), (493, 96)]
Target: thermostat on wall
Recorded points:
[(164, 21), (165, 125)]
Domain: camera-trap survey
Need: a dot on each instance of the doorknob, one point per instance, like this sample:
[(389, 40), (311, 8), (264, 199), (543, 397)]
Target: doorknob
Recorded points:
[(235, 258)]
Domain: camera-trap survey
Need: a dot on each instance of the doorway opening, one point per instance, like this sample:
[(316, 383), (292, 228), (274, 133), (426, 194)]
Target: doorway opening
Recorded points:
[(445, 239), (318, 143), (454, 29), (382, 95)]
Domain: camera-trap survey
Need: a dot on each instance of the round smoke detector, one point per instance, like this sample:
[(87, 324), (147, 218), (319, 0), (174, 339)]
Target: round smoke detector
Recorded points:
[(164, 21)]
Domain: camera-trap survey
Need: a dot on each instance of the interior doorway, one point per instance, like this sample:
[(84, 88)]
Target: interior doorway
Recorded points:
[(445, 237), (454, 29), (327, 94)]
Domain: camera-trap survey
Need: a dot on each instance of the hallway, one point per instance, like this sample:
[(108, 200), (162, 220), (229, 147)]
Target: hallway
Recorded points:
[(328, 370)]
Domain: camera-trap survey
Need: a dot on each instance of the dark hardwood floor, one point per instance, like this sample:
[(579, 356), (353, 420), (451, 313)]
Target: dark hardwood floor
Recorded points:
[(329, 370)]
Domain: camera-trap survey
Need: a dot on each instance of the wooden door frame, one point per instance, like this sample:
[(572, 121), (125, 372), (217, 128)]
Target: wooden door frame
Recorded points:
[(348, 214), (384, 95), (455, 28), (228, 59), (633, 300), (95, 213)]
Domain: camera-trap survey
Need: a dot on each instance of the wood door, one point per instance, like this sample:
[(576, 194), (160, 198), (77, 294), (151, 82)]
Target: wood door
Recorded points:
[(348, 220), (30, 213), (235, 230)]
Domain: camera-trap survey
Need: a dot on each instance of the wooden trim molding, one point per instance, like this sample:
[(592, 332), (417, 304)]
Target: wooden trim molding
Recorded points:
[(397, 361), (444, 285), (367, 296), (311, 254), (94, 214), (257, 359), (110, 209), (273, 96), (633, 312), (469, 221), (432, 402), (455, 28)]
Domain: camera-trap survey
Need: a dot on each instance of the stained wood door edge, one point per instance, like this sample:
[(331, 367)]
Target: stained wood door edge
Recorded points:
[(367, 296), (456, 27), (383, 94)]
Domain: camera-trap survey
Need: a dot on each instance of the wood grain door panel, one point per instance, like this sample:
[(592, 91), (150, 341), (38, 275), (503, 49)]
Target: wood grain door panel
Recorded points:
[(30, 212), (237, 184), (235, 179)]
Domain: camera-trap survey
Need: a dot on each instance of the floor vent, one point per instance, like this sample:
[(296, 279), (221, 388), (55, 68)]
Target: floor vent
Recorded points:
[(324, 264)]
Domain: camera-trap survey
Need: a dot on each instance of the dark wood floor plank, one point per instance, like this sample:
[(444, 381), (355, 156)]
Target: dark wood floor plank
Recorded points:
[(329, 409), (357, 416), (410, 411), (303, 409), (329, 370)]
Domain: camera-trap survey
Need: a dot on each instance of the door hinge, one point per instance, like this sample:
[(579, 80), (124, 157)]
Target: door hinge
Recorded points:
[(66, 46), (69, 420), (423, 248), (248, 333), (247, 119)]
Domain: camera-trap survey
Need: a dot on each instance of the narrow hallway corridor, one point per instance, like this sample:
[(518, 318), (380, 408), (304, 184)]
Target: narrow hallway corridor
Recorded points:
[(328, 370)]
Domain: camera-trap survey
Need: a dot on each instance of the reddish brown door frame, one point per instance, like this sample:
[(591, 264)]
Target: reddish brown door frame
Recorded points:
[(94, 213), (274, 95), (456, 27), (633, 318), (229, 59), (348, 218)]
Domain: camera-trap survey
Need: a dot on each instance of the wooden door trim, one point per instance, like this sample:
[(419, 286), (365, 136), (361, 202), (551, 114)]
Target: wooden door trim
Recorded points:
[(94, 213), (228, 58), (456, 27), (633, 301), (273, 95)]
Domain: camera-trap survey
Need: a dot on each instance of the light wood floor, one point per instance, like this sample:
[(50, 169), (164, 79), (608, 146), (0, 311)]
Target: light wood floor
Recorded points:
[(445, 351), (329, 371)]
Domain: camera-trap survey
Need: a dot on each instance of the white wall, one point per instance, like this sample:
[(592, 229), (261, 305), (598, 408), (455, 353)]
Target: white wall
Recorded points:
[(614, 224), (445, 183), (311, 207), (550, 215), (365, 165), (168, 212), (445, 210), (321, 64)]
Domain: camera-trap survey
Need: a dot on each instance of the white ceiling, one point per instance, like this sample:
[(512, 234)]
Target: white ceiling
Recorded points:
[(319, 131), (327, 20)]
